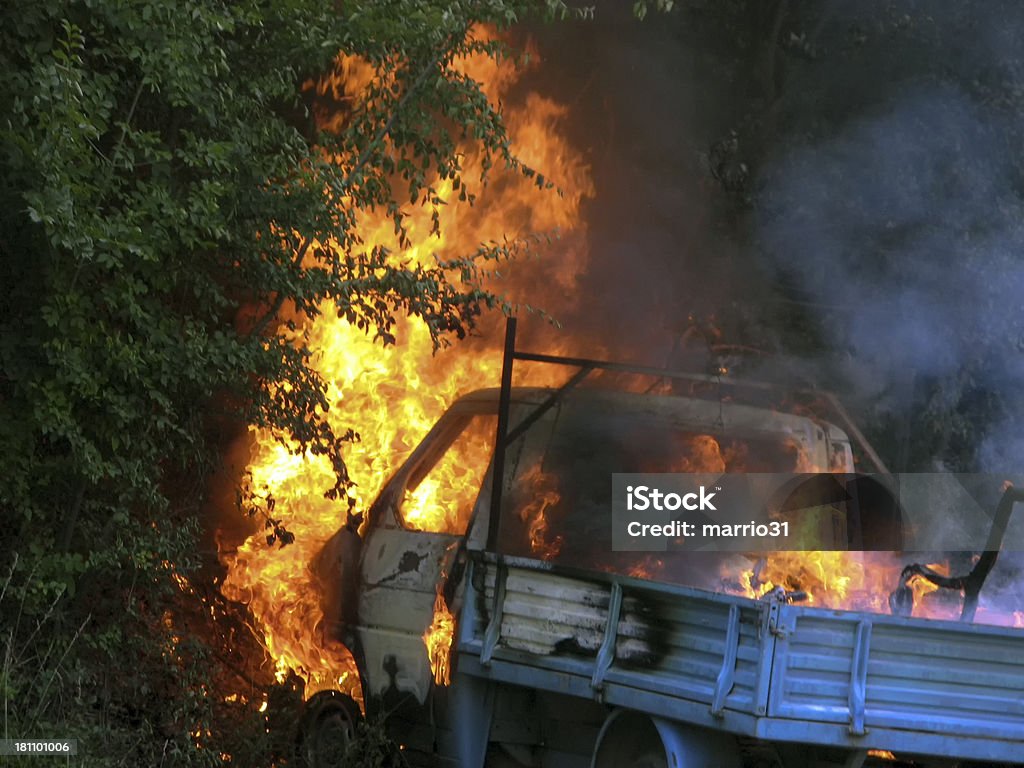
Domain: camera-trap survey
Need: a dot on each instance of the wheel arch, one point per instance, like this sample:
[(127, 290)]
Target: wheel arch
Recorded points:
[(628, 735)]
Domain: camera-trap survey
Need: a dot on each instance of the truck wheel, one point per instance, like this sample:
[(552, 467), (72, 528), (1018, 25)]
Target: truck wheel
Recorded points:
[(327, 729)]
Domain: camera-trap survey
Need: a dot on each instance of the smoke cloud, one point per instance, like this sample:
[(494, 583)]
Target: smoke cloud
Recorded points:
[(894, 195), (646, 100)]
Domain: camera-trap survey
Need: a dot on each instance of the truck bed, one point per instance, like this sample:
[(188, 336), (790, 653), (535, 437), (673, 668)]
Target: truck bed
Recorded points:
[(764, 669)]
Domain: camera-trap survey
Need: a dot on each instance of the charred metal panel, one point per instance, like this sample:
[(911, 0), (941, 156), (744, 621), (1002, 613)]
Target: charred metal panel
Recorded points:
[(547, 614), (336, 568), (395, 609), (695, 648), (406, 560)]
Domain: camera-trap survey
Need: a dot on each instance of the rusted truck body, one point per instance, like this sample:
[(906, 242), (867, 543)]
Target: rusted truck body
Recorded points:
[(566, 660)]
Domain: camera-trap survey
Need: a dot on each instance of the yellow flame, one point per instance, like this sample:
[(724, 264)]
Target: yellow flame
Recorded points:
[(542, 495), (392, 396), (438, 640)]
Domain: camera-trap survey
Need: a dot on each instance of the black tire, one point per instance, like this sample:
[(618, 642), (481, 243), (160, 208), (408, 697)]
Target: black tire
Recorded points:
[(328, 727)]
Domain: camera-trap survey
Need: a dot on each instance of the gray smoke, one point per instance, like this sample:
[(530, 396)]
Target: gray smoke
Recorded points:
[(885, 144), (646, 100), (895, 196)]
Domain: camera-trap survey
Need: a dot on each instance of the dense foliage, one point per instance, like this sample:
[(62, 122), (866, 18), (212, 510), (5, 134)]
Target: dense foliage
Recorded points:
[(166, 205)]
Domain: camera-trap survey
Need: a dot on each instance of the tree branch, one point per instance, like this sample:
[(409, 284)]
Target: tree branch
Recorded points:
[(127, 119), (361, 161)]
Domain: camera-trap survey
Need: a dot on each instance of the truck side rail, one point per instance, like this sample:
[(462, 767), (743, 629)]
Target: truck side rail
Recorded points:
[(764, 669)]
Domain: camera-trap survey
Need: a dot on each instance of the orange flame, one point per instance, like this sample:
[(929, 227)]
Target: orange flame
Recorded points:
[(648, 568), (921, 586), (830, 579), (705, 455), (392, 396), (542, 492), (443, 501), (438, 639)]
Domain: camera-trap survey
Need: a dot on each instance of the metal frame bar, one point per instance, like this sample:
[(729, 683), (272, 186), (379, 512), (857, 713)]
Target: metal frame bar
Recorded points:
[(493, 632), (901, 599), (856, 434), (605, 365), (606, 653), (859, 678), (586, 365), (727, 674), (547, 405), (500, 441)]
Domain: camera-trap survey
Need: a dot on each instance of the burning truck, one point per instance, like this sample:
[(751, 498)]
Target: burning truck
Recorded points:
[(494, 624)]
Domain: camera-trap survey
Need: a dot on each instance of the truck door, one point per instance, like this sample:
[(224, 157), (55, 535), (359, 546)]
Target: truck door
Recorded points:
[(415, 529)]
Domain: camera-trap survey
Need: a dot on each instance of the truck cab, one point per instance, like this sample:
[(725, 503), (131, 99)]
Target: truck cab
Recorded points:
[(436, 512)]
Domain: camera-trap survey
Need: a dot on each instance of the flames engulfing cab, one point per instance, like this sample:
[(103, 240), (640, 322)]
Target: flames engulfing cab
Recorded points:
[(556, 508)]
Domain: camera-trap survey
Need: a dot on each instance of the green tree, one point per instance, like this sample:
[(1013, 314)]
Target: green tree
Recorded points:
[(161, 180)]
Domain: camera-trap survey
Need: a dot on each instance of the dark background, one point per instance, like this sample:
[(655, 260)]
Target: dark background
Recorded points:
[(834, 185)]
